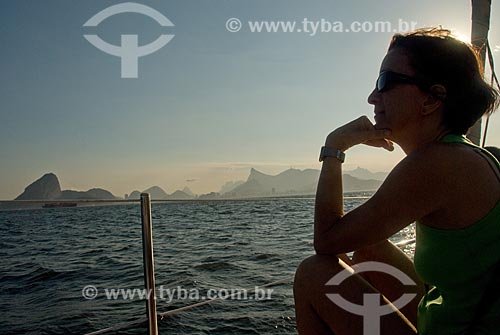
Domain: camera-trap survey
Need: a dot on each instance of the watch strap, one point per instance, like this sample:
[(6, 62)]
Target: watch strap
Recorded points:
[(331, 152)]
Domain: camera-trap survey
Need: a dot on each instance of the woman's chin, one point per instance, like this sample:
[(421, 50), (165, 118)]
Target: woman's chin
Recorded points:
[(380, 125)]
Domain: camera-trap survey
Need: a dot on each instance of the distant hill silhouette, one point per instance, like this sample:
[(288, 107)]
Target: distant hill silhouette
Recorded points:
[(188, 191), (95, 193), (258, 184), (293, 181), (48, 188), (353, 184), (134, 195), (230, 185), (180, 195), (362, 173), (157, 193)]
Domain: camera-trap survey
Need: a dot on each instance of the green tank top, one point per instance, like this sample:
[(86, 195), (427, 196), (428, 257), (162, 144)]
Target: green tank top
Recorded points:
[(458, 265)]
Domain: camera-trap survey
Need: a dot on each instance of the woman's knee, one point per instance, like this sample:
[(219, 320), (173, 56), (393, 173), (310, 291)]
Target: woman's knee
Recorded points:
[(303, 272), (371, 252), (316, 270)]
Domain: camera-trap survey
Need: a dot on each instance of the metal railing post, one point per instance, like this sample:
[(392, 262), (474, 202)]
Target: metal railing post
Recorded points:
[(148, 260)]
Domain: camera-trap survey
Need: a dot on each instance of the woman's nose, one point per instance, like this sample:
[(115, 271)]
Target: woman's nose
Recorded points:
[(374, 97)]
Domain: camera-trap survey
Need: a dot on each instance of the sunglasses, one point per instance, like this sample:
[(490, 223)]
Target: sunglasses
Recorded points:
[(388, 78)]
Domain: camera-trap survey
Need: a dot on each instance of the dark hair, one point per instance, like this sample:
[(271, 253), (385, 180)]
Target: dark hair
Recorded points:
[(440, 58)]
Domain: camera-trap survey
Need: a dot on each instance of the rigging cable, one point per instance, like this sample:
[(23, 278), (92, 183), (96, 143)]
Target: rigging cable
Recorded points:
[(494, 80)]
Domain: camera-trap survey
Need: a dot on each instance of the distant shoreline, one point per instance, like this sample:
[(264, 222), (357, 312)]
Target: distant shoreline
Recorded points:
[(6, 205)]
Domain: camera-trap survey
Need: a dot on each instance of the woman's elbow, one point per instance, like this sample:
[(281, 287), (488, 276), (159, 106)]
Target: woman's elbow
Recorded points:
[(326, 235), (324, 247)]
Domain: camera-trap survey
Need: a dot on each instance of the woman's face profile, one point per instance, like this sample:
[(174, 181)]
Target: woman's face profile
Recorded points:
[(398, 107)]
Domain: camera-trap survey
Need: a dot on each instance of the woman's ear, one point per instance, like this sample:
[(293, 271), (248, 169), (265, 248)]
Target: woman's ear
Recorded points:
[(435, 99)]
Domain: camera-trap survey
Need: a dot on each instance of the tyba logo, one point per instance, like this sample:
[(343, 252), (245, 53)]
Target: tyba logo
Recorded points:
[(129, 51), (371, 310)]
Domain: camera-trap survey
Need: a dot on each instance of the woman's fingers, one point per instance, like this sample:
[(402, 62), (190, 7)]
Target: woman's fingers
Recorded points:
[(359, 131), (375, 137), (383, 143), (372, 134)]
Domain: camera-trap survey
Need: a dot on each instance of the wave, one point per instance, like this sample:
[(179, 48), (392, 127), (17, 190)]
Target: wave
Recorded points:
[(38, 273), (217, 266), (265, 256)]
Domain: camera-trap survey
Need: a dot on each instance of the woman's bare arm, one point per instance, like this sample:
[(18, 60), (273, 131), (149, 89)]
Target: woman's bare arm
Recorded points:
[(407, 194)]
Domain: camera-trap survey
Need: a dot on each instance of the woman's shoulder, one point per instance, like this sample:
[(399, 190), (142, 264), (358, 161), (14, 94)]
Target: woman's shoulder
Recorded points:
[(428, 162), (456, 176), (444, 158)]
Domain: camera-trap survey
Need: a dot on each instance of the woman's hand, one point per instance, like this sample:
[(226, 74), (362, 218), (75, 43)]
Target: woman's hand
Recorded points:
[(359, 131)]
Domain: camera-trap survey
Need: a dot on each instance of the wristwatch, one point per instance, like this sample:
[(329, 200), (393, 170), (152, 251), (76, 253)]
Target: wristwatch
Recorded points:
[(331, 152)]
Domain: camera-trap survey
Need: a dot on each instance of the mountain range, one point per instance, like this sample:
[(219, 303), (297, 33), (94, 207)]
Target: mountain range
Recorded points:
[(258, 184), (48, 188), (296, 182), (158, 193), (362, 173)]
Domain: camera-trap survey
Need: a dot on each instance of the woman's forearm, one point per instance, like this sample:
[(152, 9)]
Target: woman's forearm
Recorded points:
[(329, 204)]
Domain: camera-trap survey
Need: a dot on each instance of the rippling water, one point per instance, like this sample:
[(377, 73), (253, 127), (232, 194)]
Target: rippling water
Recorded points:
[(49, 255)]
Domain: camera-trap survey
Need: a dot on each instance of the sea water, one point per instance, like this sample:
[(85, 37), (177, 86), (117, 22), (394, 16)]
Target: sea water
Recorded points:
[(49, 256)]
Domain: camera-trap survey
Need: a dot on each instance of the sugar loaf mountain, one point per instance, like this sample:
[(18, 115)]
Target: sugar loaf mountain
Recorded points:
[(258, 184), (48, 188)]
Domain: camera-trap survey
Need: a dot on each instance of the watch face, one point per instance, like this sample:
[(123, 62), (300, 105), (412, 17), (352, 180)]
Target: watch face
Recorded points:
[(331, 152)]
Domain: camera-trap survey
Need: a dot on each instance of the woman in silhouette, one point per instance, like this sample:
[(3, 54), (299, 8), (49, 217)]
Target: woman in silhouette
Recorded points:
[(430, 91)]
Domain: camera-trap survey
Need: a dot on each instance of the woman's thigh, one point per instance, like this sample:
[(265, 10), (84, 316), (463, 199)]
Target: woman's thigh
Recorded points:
[(314, 300), (387, 253)]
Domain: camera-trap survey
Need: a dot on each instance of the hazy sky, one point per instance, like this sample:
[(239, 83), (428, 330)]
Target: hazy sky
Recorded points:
[(207, 106)]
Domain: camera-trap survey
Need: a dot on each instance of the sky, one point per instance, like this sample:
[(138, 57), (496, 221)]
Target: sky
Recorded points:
[(206, 107)]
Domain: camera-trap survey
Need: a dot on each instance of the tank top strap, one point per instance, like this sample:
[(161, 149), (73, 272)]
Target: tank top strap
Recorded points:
[(488, 156)]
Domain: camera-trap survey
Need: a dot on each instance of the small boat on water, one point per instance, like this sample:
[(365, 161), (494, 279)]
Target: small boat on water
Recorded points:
[(59, 204)]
